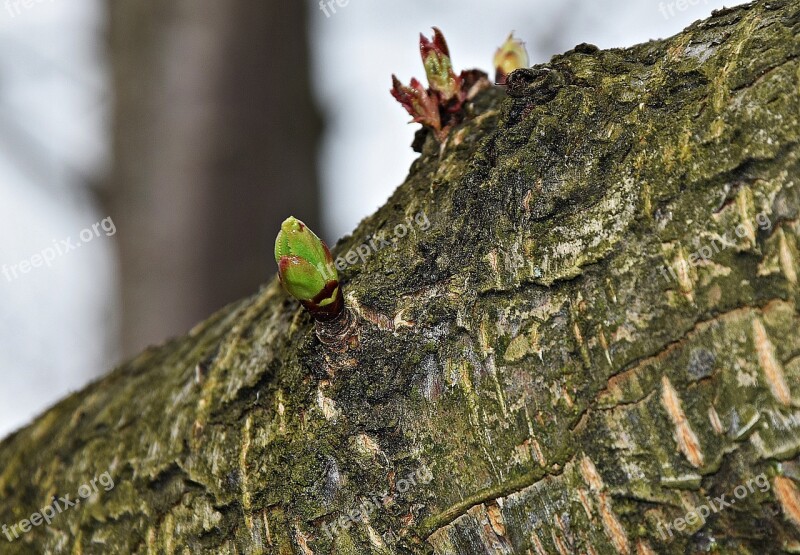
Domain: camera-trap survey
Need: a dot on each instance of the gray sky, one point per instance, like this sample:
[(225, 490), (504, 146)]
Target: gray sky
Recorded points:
[(54, 321)]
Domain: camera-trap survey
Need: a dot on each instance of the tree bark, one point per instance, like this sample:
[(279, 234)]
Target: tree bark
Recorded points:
[(548, 368)]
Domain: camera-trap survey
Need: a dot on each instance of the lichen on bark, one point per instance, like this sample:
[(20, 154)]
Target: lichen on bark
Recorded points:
[(529, 349)]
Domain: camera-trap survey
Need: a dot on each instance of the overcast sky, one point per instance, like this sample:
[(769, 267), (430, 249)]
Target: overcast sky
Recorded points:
[(57, 322)]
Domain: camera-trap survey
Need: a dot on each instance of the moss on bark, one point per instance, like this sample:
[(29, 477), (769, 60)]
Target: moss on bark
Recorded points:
[(549, 367)]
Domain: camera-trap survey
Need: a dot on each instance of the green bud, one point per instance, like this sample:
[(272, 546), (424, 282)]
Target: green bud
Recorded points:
[(438, 66), (307, 271)]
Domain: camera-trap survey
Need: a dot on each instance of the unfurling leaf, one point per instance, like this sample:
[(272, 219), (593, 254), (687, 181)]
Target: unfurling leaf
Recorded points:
[(416, 100), (440, 106), (439, 67)]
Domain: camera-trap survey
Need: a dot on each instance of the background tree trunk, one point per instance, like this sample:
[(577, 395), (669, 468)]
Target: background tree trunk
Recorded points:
[(214, 144), (530, 377)]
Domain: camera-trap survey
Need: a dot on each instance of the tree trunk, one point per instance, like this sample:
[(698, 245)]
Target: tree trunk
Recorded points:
[(595, 336), (208, 159)]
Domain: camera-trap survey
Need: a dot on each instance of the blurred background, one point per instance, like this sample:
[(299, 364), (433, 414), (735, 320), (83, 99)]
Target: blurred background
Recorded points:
[(150, 150)]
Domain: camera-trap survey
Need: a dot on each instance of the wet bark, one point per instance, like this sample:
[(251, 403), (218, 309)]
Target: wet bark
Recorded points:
[(595, 335)]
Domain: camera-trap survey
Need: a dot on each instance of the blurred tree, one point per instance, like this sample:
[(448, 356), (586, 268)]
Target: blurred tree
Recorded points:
[(214, 143)]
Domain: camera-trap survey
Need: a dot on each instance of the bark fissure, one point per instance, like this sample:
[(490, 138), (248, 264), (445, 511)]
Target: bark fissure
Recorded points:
[(698, 327)]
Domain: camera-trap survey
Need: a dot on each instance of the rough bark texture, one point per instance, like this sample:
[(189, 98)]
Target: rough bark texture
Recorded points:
[(525, 358)]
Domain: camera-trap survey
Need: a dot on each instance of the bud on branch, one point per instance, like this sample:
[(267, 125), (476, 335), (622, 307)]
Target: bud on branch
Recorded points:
[(307, 271), (441, 105), (510, 56)]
